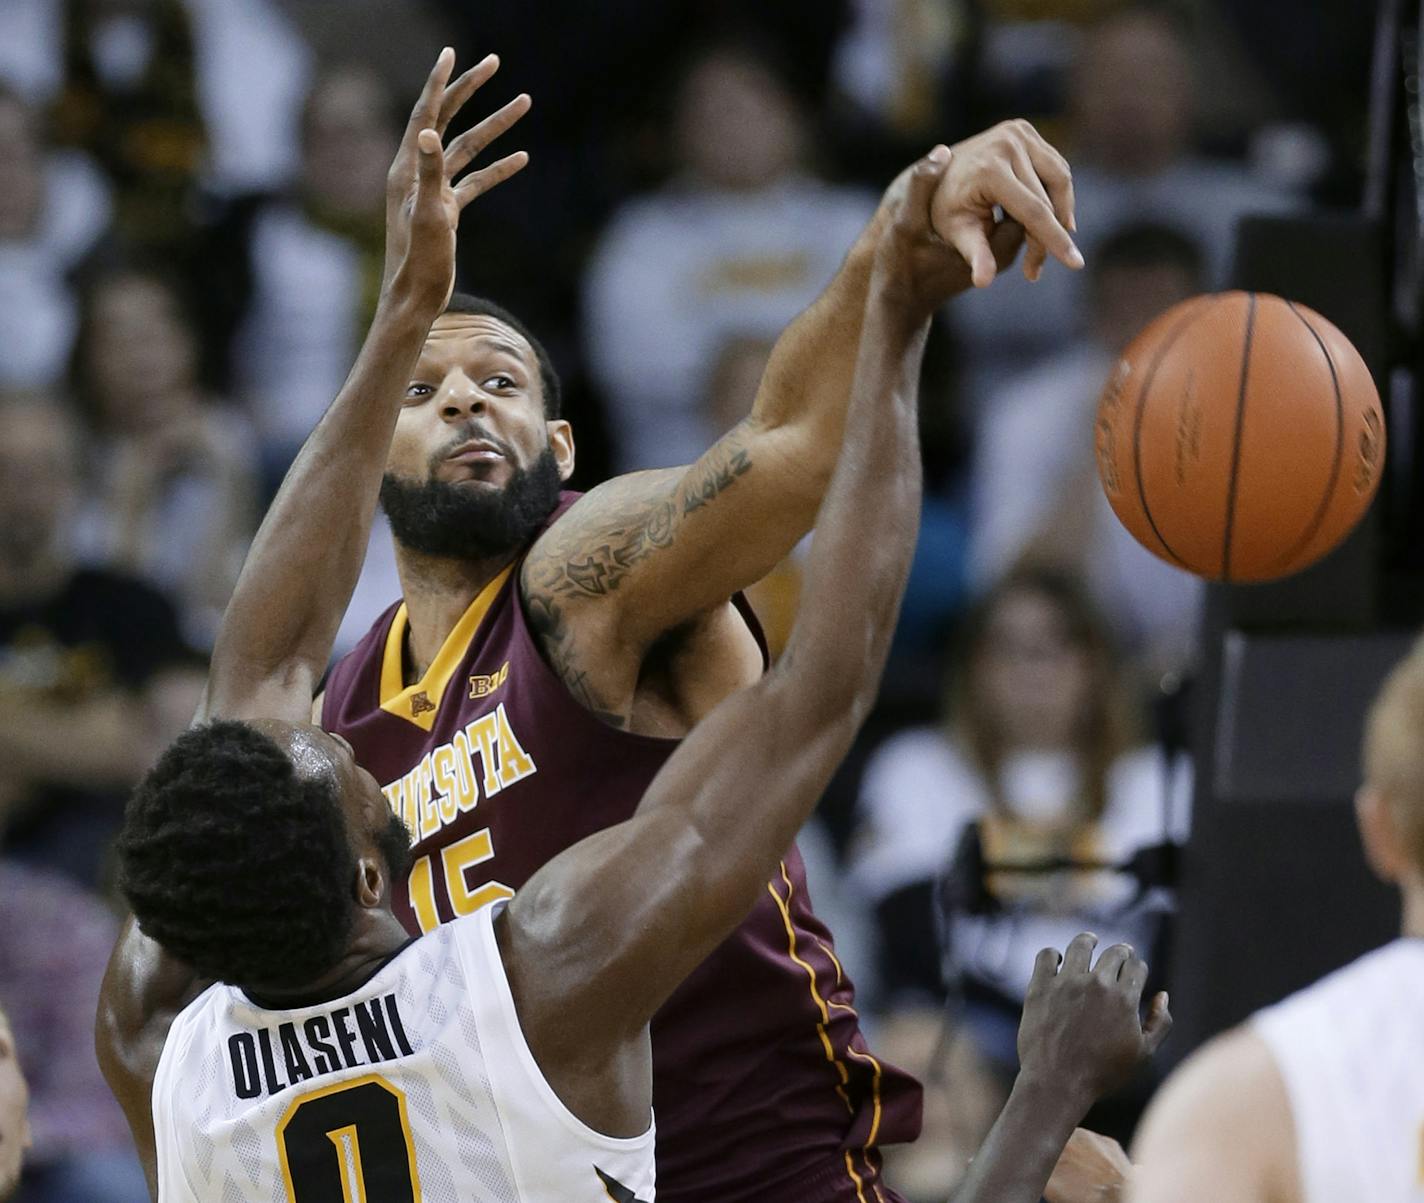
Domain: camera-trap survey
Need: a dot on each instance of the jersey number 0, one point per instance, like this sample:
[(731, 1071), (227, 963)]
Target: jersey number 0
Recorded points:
[(349, 1143)]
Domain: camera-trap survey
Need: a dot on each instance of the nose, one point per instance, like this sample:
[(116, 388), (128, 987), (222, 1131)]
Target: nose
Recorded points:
[(462, 399)]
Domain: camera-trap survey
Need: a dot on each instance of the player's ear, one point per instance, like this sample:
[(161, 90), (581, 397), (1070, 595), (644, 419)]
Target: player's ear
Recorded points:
[(1380, 834), (370, 882), (561, 441)]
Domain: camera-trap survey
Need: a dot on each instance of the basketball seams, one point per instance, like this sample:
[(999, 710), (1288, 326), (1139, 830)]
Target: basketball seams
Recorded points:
[(1140, 411), (1233, 479), (1323, 510)]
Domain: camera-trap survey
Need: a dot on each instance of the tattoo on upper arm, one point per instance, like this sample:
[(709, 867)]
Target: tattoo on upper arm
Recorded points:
[(717, 478), (590, 554)]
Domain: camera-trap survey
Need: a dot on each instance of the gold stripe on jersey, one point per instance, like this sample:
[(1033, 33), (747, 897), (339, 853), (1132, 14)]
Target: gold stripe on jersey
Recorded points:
[(826, 1046), (420, 703)]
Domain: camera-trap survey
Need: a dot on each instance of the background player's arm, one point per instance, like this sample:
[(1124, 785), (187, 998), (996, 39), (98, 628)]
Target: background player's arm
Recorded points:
[(1220, 1128), (661, 548), (144, 988), (608, 929)]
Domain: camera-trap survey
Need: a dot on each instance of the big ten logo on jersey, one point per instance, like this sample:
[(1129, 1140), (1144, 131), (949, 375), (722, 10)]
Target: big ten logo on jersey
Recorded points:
[(480, 761), (484, 684)]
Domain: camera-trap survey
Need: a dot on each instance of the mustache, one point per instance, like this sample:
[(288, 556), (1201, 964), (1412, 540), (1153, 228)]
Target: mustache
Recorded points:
[(469, 432)]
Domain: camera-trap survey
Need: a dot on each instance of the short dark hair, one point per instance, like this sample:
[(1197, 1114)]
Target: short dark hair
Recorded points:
[(464, 302), (1149, 244), (236, 864)]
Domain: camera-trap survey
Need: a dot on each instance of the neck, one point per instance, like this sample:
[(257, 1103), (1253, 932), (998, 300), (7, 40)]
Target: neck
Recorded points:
[(1414, 910), (437, 591), (376, 934)]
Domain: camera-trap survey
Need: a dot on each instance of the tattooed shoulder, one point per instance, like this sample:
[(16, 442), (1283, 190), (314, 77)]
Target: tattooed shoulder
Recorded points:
[(592, 550)]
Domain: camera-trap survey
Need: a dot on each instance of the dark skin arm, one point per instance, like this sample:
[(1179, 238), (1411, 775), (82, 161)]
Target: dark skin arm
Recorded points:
[(1080, 1037), (650, 553), (278, 629), (609, 928)]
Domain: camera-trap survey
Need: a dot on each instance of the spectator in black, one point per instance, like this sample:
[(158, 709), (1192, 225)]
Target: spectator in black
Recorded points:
[(94, 678), (130, 99)]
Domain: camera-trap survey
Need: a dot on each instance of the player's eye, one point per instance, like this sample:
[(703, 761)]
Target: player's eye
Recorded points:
[(500, 382), (417, 391)]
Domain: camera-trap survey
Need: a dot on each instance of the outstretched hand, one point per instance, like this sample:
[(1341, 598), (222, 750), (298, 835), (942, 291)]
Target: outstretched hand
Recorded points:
[(423, 201), (1081, 1031)]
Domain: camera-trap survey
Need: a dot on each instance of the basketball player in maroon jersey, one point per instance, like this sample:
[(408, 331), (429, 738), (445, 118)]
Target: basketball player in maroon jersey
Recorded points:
[(602, 934), (550, 649)]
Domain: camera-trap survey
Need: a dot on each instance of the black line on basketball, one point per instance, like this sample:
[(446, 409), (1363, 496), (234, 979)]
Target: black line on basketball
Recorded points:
[(1187, 319), (1236, 443), (1324, 507)]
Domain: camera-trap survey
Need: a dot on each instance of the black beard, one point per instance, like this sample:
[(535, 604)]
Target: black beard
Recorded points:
[(437, 518)]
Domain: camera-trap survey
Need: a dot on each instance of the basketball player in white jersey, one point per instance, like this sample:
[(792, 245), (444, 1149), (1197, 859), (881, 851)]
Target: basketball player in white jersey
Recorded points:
[(1320, 1098), (269, 1027)]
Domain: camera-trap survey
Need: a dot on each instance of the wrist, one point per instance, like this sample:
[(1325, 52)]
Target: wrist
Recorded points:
[(1056, 1104), (407, 300)]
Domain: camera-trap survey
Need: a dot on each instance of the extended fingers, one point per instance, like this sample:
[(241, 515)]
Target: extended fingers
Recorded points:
[(477, 183), (463, 149), (427, 104), (454, 97), (1028, 204)]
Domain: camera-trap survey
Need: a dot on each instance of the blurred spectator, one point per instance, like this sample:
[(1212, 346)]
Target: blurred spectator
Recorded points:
[(51, 965), (93, 676), (1036, 493), (53, 208), (739, 243), (1036, 766), (313, 263), (130, 99), (248, 62), (1132, 110), (177, 470), (14, 1111)]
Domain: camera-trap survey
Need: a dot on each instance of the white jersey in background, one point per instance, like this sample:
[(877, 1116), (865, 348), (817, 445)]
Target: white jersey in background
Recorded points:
[(1350, 1050), (417, 1086)]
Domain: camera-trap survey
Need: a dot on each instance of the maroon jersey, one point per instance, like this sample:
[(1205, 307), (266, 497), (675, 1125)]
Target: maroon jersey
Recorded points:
[(763, 1086)]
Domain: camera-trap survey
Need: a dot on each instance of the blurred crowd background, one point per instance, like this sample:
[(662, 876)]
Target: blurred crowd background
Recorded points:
[(191, 226)]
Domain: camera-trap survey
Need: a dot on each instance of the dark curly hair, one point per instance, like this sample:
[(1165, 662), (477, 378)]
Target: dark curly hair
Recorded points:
[(236, 864)]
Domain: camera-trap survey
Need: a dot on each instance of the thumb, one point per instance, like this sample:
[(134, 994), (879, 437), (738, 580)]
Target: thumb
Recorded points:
[(432, 163), (1159, 1023), (924, 179)]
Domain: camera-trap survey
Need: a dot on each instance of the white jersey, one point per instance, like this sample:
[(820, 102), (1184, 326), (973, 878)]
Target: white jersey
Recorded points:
[(417, 1086), (1350, 1050)]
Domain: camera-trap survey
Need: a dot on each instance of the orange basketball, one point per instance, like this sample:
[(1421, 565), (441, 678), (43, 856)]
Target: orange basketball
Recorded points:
[(1240, 437)]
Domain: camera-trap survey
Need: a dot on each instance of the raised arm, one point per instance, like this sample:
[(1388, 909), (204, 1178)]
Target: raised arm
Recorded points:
[(277, 632), (608, 929), (660, 548)]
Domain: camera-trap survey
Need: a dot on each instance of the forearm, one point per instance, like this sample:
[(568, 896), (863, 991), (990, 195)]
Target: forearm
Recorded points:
[(1016, 1160), (308, 552), (859, 559), (806, 386)]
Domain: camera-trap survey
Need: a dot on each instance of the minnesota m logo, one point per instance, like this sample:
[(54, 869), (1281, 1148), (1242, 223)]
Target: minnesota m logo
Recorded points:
[(615, 1190)]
